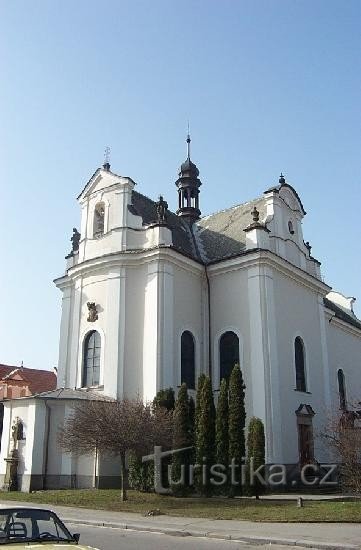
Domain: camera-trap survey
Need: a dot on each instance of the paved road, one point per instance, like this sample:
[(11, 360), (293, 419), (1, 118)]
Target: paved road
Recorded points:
[(105, 538)]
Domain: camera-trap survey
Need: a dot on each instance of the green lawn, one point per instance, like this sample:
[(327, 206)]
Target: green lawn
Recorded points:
[(215, 508)]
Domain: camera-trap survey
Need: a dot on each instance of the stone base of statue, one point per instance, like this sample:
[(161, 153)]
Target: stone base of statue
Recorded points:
[(11, 476)]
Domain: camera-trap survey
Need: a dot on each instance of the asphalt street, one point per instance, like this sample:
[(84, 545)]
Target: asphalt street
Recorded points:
[(105, 538)]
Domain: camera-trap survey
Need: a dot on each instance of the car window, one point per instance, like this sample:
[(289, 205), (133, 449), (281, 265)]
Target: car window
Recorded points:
[(31, 525)]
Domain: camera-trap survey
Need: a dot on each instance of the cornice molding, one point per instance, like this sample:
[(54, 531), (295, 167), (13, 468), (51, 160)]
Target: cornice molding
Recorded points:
[(268, 258), (129, 259)]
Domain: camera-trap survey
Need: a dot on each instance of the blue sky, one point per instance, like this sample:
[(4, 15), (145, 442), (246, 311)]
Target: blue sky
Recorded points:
[(267, 86)]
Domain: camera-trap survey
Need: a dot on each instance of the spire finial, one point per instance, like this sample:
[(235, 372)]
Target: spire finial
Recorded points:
[(188, 143), (282, 179), (106, 164)]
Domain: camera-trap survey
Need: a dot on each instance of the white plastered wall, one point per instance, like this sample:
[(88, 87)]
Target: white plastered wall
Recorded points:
[(297, 313), (230, 312), (344, 345)]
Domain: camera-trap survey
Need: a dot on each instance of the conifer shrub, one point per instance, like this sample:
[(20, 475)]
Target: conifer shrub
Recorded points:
[(236, 426), (255, 455)]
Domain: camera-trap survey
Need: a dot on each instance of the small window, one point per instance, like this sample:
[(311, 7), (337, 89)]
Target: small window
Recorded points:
[(188, 374), (99, 215), (91, 366), (228, 354), (341, 389), (290, 228), (300, 365)]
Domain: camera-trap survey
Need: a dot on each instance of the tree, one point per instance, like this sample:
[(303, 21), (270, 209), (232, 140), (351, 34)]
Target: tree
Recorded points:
[(117, 428), (201, 380), (236, 423), (192, 412), (182, 438), (141, 474), (165, 398), (344, 439), (222, 442), (256, 453), (205, 437)]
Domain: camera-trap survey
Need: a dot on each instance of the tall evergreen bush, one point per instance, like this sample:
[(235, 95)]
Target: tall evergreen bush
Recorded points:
[(222, 443), (236, 426), (205, 438), (256, 455)]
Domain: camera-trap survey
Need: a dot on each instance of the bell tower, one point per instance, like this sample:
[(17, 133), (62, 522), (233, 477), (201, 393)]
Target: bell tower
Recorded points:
[(188, 185)]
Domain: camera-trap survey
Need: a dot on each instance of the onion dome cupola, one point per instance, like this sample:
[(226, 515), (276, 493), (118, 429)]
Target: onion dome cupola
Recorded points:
[(188, 185)]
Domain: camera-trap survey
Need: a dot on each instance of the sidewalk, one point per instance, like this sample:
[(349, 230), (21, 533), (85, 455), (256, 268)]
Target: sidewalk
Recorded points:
[(313, 535)]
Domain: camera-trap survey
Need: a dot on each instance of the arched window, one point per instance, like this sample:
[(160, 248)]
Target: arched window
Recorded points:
[(91, 366), (300, 365), (228, 354), (99, 215), (188, 370), (341, 389)]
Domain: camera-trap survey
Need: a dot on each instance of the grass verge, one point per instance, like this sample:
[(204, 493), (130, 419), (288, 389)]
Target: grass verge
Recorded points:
[(213, 508)]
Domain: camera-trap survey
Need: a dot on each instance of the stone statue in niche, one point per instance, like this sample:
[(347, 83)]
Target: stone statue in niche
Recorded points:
[(17, 431), (93, 313), (75, 240)]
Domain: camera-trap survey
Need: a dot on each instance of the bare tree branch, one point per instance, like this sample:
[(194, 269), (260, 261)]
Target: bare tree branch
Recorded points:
[(117, 428)]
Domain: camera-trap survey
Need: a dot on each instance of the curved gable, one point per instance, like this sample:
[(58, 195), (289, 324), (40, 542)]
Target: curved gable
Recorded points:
[(290, 196)]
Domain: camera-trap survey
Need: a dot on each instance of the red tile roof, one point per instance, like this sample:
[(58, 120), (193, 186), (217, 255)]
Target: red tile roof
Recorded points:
[(38, 380)]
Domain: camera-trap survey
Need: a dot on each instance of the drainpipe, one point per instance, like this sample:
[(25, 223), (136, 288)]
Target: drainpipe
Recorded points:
[(96, 479), (209, 303), (47, 434), (209, 324)]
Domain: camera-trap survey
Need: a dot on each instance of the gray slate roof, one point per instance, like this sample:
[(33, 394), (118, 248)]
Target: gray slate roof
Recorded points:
[(341, 314), (222, 234), (69, 393), (212, 238)]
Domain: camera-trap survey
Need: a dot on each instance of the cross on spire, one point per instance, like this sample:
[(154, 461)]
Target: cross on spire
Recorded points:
[(188, 143), (106, 164)]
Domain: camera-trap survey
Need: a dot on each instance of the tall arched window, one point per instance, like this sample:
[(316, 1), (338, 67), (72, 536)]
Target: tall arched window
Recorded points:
[(91, 366), (341, 389), (300, 365), (188, 370), (98, 224), (228, 354)]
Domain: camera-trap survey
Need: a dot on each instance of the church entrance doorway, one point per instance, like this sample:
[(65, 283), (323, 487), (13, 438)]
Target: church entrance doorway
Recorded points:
[(305, 415)]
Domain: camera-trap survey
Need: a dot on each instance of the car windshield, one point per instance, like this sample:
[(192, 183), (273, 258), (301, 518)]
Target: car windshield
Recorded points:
[(30, 525)]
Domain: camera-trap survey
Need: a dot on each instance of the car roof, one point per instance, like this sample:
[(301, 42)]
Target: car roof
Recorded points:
[(8, 508)]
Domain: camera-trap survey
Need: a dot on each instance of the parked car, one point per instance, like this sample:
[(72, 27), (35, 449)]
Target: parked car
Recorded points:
[(21, 526)]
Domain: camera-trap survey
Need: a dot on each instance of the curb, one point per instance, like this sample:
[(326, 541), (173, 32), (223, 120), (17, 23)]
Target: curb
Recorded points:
[(216, 535)]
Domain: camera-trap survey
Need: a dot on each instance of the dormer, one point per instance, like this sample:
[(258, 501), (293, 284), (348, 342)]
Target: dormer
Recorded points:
[(285, 213)]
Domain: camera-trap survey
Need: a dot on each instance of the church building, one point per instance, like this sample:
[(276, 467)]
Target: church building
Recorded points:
[(153, 298)]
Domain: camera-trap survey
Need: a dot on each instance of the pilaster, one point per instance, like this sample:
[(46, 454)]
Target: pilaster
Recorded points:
[(65, 336), (113, 368), (158, 345), (71, 377), (264, 360)]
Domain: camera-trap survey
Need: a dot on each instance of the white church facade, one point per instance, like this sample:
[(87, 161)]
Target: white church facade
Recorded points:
[(152, 298)]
